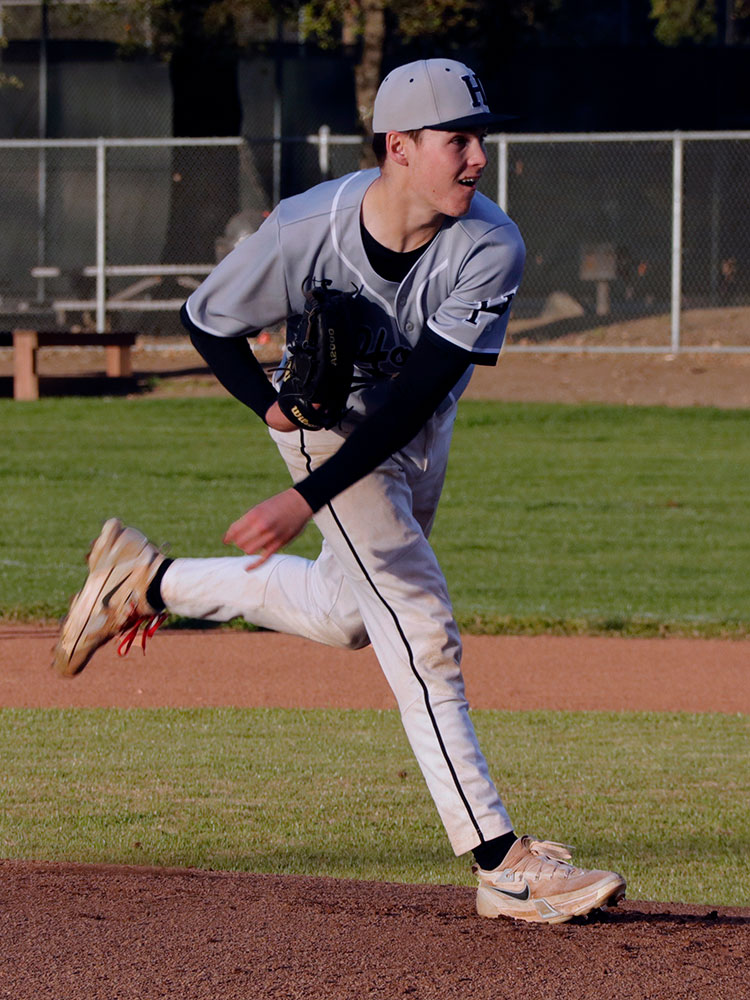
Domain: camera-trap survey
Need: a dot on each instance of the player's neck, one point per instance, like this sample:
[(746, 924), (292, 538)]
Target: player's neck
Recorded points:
[(395, 219)]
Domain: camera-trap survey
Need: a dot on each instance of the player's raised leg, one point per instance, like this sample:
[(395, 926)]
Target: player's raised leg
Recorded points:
[(131, 584), (309, 598)]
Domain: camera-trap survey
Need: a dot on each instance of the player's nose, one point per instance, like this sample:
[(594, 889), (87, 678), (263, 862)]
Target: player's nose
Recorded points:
[(477, 153)]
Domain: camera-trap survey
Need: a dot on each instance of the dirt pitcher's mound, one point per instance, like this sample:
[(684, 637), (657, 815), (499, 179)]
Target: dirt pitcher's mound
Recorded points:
[(75, 932)]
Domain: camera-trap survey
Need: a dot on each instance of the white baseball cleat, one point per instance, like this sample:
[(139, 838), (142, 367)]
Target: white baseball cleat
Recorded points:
[(122, 562), (534, 882)]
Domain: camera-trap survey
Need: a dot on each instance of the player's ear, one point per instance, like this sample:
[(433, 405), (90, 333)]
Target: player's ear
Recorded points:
[(396, 148)]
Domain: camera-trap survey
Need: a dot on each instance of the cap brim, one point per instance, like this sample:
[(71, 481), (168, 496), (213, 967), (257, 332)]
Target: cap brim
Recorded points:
[(471, 121)]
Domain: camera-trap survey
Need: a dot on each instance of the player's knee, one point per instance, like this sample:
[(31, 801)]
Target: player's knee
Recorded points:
[(356, 637)]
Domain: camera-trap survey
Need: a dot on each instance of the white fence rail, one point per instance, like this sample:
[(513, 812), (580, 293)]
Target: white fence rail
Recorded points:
[(619, 227)]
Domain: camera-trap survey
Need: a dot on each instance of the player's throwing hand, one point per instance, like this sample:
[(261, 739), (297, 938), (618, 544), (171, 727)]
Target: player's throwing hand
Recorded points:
[(270, 525)]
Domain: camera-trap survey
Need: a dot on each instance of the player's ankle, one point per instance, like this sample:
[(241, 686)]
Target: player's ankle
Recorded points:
[(490, 854), (153, 593)]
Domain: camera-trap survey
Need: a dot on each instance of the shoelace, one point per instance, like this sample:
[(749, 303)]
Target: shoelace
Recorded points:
[(150, 622), (549, 854), (550, 849)]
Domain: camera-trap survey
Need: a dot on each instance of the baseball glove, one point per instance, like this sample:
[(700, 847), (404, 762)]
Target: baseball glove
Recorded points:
[(321, 346)]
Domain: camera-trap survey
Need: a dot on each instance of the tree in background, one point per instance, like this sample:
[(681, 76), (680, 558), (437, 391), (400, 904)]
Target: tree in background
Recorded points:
[(424, 27), (363, 25), (725, 21), (200, 41)]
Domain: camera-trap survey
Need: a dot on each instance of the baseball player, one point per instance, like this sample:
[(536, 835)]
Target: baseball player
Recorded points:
[(435, 266)]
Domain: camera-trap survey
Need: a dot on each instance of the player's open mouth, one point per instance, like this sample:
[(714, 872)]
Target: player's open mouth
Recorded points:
[(469, 181)]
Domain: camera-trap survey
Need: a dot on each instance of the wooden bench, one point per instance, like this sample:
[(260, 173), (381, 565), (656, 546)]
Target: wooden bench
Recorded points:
[(27, 342)]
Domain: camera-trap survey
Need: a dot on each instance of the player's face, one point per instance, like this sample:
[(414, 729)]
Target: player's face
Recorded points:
[(445, 168)]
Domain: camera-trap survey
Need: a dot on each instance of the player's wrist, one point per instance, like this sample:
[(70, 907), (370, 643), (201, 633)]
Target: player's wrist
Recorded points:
[(276, 419)]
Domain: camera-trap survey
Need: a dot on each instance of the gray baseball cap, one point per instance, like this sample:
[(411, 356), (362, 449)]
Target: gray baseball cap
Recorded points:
[(432, 93)]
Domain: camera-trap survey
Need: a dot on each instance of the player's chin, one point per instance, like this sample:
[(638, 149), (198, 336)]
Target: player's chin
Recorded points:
[(461, 200)]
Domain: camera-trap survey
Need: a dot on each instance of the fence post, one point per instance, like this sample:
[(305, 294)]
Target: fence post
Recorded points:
[(101, 236), (676, 291), (324, 133), (276, 151), (502, 172), (41, 252)]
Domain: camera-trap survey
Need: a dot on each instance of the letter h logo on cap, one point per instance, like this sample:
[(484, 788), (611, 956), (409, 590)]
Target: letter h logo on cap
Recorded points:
[(476, 91)]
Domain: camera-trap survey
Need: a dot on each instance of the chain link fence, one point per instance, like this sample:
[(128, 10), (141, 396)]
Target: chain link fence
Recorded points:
[(636, 242)]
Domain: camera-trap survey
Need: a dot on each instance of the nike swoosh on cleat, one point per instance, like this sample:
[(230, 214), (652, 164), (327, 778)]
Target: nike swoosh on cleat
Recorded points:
[(523, 895), (110, 594)]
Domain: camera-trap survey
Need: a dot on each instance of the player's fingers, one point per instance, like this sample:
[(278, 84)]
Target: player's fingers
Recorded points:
[(232, 535), (254, 540), (267, 527), (248, 543), (261, 557), (247, 533)]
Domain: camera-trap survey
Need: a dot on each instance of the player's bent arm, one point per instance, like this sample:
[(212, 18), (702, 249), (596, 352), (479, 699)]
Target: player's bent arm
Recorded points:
[(433, 369), (235, 366)]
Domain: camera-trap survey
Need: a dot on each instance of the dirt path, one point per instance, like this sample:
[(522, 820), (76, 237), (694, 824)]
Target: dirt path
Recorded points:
[(165, 367), (222, 667), (85, 932)]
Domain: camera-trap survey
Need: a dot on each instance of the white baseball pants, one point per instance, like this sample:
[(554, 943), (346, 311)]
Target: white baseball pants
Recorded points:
[(375, 579)]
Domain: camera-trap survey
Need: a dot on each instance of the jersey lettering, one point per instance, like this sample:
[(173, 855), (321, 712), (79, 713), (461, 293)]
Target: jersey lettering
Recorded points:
[(374, 359), (498, 310), (476, 90)]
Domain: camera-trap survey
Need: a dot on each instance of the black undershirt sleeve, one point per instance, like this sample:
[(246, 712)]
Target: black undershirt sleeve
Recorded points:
[(428, 376), (234, 365)]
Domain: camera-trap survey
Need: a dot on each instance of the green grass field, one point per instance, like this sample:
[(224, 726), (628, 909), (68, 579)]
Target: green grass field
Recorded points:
[(554, 518), (660, 797)]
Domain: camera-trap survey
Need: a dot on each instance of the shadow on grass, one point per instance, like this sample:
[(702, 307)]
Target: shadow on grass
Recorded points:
[(98, 384)]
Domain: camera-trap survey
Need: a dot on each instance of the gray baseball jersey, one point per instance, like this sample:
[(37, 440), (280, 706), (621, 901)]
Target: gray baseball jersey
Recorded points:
[(459, 290)]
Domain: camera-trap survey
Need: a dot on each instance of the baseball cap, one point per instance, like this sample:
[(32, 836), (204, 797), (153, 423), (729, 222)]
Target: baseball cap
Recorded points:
[(432, 93)]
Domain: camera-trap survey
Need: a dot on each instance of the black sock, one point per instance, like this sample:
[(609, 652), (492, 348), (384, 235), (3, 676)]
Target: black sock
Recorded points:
[(153, 593), (489, 854)]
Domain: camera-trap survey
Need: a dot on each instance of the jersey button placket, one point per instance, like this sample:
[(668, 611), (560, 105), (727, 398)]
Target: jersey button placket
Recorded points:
[(401, 305)]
